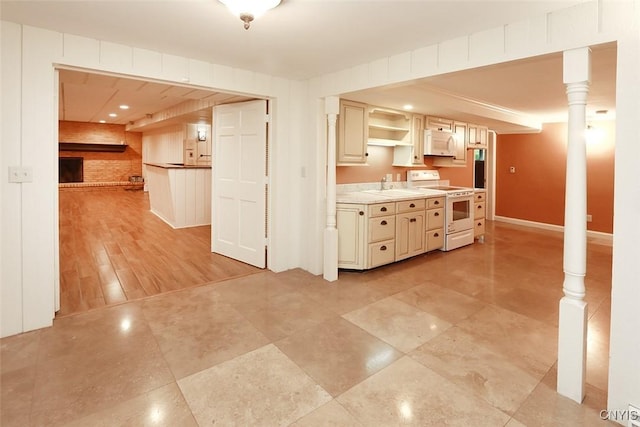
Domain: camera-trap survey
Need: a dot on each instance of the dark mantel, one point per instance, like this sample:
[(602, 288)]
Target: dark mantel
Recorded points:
[(82, 146)]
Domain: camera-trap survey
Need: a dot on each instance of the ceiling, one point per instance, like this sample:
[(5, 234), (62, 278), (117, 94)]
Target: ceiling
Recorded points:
[(301, 39)]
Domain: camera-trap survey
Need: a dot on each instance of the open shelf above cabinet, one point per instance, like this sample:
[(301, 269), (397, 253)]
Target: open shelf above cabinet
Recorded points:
[(388, 127)]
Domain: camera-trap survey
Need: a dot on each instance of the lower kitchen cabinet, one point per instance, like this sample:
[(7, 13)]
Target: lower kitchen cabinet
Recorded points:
[(435, 224), (371, 235), (479, 214), (350, 220), (410, 223)]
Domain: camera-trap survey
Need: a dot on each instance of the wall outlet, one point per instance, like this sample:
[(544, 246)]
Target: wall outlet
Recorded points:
[(20, 174), (589, 218)]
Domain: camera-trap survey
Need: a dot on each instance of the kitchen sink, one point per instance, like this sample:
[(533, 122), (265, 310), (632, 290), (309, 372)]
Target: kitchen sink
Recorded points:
[(395, 192)]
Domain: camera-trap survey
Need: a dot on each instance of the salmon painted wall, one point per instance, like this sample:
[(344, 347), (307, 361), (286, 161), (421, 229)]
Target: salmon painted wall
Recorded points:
[(535, 192), (379, 163)]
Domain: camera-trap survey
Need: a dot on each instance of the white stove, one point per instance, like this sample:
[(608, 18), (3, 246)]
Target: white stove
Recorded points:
[(458, 207)]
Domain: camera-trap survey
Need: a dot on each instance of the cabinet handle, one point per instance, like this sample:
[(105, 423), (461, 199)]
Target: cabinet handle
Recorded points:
[(479, 207), (436, 214), (412, 220), (412, 205), (435, 235), (479, 224), (437, 202), (361, 213), (383, 248), (366, 154), (415, 157), (383, 222), (383, 209)]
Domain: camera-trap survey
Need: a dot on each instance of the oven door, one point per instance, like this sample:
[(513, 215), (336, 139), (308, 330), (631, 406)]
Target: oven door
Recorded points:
[(459, 213)]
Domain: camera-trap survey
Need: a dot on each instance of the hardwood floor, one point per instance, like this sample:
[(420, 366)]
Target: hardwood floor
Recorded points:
[(113, 250)]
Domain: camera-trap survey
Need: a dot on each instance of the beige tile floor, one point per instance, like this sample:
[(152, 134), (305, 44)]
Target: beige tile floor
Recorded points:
[(467, 338)]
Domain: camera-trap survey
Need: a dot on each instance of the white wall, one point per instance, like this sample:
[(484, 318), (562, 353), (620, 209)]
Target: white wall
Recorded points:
[(587, 24), (164, 145), (29, 210)]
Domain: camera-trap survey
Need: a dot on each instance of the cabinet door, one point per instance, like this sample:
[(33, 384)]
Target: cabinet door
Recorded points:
[(439, 123), (482, 136), (417, 139), (460, 129), (351, 235), (352, 133), (410, 234)]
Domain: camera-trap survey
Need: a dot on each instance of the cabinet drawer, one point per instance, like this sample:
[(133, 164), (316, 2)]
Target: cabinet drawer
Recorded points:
[(381, 253), (479, 212), (382, 228), (435, 202), (479, 227), (410, 205), (435, 239), (435, 218), (382, 209), (479, 197)]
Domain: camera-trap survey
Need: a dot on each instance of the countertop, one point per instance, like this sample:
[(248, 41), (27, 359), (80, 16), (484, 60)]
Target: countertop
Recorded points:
[(178, 166), (369, 197)]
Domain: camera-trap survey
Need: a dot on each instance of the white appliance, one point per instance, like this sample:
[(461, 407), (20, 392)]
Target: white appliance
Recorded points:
[(439, 143), (458, 206)]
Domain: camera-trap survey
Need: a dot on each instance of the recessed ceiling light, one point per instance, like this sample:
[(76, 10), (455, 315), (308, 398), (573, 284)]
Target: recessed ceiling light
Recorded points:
[(124, 107), (103, 121), (113, 115), (408, 107)]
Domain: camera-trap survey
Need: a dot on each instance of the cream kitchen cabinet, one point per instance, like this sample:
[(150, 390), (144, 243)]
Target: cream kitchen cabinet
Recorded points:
[(351, 223), (366, 235), (479, 214), (379, 233), (389, 127), (412, 154), (353, 133), (410, 223), (477, 136), (434, 238), (439, 123), (460, 155)]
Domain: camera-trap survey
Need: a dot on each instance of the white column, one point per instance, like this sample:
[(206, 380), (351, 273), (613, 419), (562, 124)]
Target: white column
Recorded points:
[(332, 108), (572, 330)]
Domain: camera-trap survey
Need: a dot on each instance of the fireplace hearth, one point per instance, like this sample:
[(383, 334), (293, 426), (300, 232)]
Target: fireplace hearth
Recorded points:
[(70, 169)]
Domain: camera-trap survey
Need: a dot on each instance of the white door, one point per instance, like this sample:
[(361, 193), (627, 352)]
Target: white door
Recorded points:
[(239, 181)]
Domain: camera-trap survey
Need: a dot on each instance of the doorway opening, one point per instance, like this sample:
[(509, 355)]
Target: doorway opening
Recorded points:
[(111, 246)]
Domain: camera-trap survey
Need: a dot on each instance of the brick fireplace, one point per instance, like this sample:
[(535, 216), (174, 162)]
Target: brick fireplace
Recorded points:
[(100, 168)]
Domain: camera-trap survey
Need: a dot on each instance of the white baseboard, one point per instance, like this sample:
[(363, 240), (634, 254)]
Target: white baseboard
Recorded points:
[(552, 227)]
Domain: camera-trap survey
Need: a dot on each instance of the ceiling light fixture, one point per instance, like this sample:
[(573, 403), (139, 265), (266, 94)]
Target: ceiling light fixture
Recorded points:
[(248, 10), (124, 107), (113, 115)]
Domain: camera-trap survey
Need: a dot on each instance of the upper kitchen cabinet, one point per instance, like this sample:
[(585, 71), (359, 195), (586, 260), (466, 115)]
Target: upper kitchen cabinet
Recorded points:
[(477, 136), (412, 154), (439, 123), (353, 133), (389, 127), (460, 156)]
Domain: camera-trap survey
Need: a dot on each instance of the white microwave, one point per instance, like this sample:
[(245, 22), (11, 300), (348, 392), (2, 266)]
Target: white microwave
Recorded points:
[(439, 143)]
